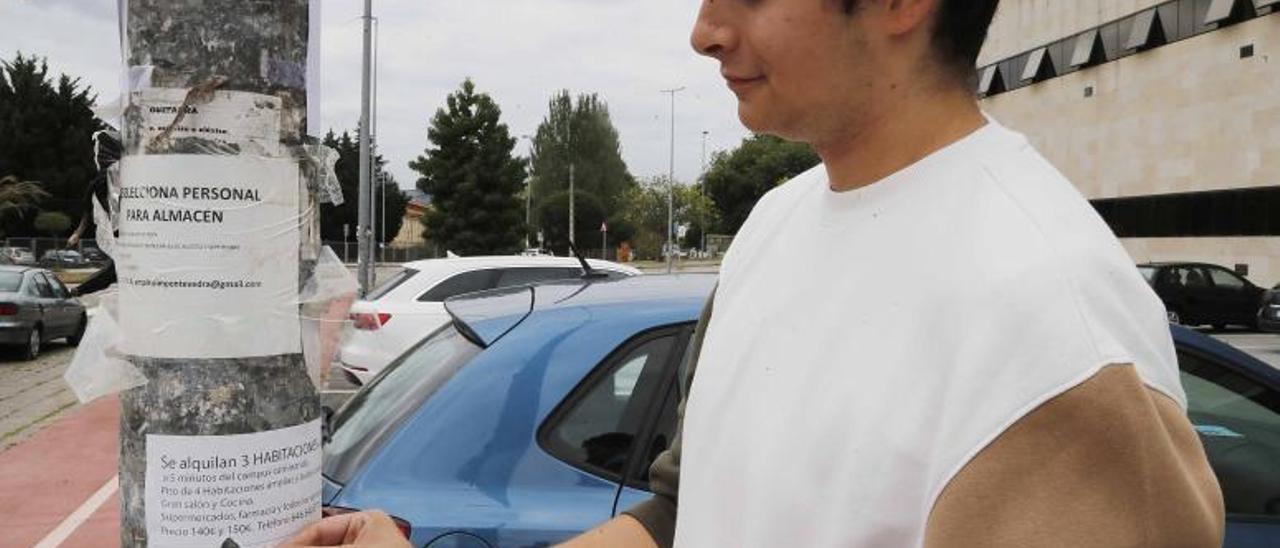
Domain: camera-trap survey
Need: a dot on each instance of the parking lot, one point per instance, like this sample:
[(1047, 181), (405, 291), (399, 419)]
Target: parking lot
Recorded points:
[(47, 438), (33, 394)]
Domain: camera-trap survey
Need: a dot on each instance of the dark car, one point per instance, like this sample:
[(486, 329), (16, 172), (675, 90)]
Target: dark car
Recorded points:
[(62, 257), (1204, 294), (1269, 312), (536, 413), (94, 255), (36, 308)]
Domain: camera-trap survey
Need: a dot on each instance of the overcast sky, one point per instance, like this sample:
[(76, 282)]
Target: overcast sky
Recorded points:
[(518, 51)]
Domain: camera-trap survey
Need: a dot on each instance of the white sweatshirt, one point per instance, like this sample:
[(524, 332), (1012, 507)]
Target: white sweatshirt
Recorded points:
[(867, 344)]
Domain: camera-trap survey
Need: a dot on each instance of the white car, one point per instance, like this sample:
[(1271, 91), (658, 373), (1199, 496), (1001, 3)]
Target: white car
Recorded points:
[(410, 305)]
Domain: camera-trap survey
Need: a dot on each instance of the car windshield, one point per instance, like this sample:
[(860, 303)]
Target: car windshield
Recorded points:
[(1148, 272), (376, 411), (10, 281)]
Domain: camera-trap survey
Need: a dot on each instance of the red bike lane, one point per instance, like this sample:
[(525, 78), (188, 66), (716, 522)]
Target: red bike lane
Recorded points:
[(58, 488)]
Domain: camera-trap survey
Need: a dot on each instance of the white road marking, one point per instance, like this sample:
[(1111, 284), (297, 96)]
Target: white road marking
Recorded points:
[(338, 391), (77, 518)]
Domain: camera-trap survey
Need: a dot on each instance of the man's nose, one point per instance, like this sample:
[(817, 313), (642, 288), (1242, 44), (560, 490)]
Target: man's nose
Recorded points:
[(711, 35)]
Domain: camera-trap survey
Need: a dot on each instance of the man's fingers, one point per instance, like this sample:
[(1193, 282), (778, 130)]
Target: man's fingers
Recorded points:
[(330, 531)]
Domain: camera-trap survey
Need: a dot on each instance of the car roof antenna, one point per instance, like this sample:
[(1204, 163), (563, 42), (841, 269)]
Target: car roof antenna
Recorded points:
[(587, 271)]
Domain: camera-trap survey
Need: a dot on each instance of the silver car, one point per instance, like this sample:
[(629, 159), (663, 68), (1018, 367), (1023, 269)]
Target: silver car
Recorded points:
[(36, 308)]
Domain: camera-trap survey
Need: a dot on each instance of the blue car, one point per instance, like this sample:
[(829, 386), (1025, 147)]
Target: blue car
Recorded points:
[(535, 415)]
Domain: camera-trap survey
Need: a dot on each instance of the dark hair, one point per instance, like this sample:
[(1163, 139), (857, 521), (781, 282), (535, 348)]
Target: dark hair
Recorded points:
[(959, 30)]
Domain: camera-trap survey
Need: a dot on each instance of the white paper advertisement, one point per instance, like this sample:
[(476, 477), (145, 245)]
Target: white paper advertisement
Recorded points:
[(229, 122), (208, 256), (251, 489)]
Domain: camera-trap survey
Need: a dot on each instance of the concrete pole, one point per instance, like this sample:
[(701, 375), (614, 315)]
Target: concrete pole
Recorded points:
[(198, 49), (365, 218)]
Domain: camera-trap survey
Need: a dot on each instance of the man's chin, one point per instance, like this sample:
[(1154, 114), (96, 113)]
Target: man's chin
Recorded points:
[(751, 118)]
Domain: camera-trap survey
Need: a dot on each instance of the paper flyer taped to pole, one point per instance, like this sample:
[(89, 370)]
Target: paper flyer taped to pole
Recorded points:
[(207, 256), (250, 489)]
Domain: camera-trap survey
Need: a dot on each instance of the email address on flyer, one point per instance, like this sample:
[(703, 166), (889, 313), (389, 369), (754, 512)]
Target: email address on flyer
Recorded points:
[(216, 285)]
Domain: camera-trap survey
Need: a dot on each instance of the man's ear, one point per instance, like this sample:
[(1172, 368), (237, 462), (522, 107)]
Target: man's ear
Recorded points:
[(905, 16)]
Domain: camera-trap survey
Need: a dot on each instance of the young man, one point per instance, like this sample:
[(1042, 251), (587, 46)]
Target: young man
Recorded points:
[(928, 340)]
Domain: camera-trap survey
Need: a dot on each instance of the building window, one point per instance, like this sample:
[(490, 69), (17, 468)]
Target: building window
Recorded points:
[(1227, 12), (1039, 66), (1088, 50), (1148, 31), (1246, 51), (1165, 23), (1235, 212), (991, 82)]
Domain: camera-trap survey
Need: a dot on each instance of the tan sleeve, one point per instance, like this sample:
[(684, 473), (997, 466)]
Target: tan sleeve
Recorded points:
[(1108, 463), (658, 513)]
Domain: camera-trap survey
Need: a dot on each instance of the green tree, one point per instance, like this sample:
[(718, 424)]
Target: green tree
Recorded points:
[(52, 223), (473, 179), (738, 179), (579, 133), (393, 202), (46, 130), (332, 218), (646, 215), (18, 197)]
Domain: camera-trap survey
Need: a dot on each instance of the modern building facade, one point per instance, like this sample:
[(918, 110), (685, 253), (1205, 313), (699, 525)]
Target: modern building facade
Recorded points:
[(1165, 114)]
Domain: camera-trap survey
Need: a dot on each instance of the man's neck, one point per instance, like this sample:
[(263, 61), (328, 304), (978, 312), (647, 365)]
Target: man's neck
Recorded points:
[(908, 129)]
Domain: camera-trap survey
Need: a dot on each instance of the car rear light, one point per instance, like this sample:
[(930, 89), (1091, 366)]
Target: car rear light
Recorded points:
[(370, 322), (404, 526), (8, 309)]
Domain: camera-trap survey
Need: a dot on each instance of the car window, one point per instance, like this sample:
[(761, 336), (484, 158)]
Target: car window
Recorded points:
[(59, 290), (1225, 280), (391, 283), (458, 284), (10, 281), (1192, 277), (1148, 273), (522, 276), (1238, 421), (358, 428), (664, 432), (596, 426), (43, 288)]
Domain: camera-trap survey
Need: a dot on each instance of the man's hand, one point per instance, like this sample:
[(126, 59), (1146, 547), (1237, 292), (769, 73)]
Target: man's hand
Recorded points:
[(372, 529)]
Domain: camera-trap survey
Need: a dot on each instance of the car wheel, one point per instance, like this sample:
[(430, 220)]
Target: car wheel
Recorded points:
[(1174, 317), (32, 350), (75, 338)]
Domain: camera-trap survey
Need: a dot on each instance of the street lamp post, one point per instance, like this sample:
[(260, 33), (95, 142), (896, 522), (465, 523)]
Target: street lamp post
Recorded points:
[(365, 217), (702, 212), (671, 182), (376, 209), (571, 198), (528, 196)]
